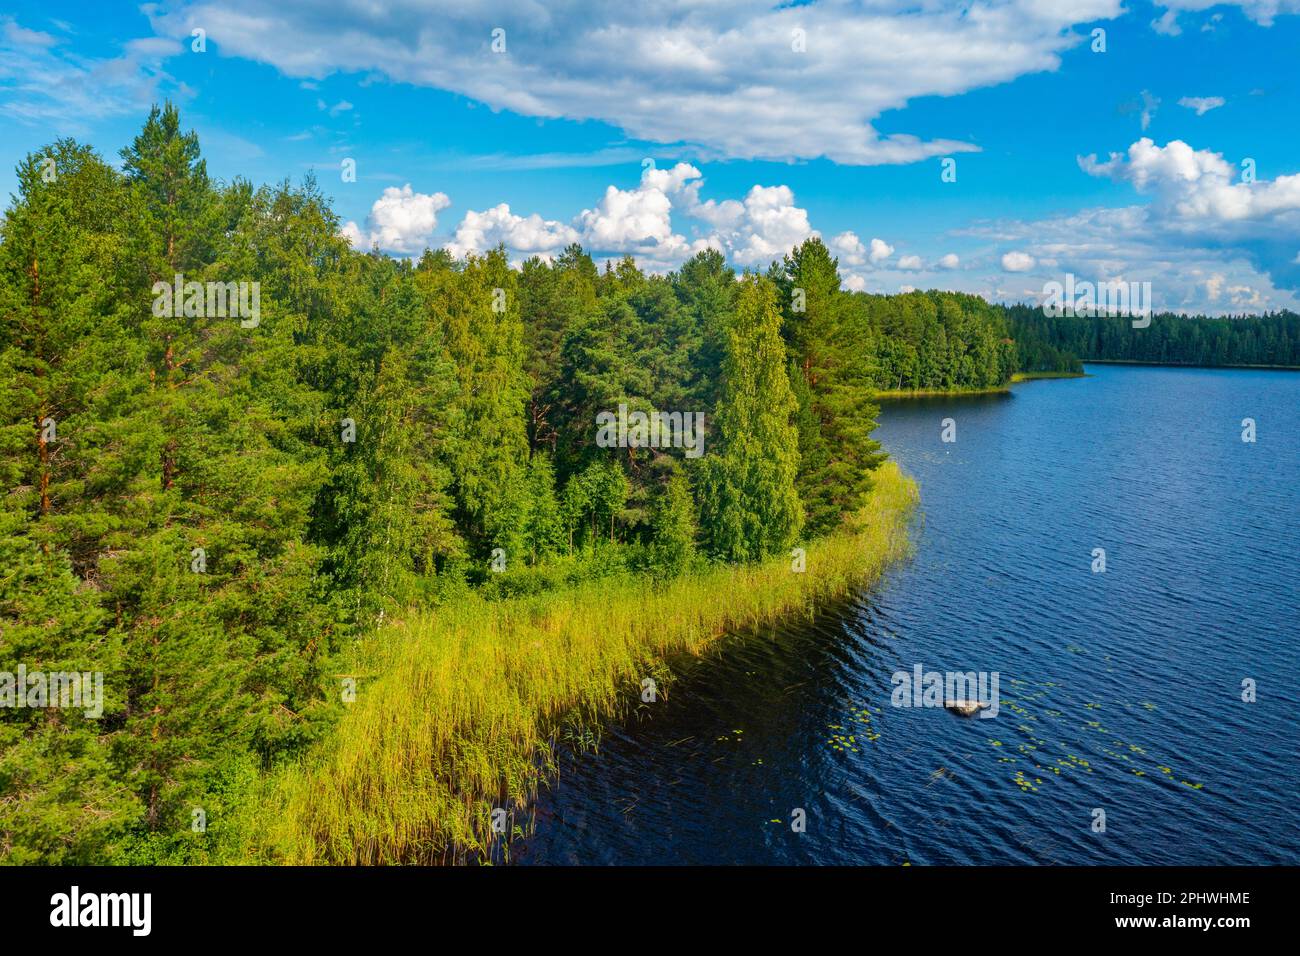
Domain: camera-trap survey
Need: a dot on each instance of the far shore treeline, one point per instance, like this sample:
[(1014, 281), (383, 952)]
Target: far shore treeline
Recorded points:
[(208, 511), (1057, 343)]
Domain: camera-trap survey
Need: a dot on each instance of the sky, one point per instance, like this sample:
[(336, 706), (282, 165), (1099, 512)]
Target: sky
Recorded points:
[(989, 146)]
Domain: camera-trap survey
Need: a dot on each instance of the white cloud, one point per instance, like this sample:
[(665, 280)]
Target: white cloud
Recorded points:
[(342, 106), (401, 221), (1199, 189), (763, 226), (528, 235), (880, 251), (722, 75), (639, 221), (1261, 11), (1149, 105), (773, 225), (1167, 25), (1205, 240), (1202, 104), (19, 35), (853, 253), (627, 218), (849, 249), (48, 85)]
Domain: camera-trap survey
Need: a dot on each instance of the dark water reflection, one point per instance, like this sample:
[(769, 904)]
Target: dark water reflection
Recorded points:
[(1121, 690)]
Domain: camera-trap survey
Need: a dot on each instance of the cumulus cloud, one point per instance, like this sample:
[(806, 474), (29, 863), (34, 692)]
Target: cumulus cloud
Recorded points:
[(1199, 188), (766, 224), (849, 248), (1202, 104), (788, 81), (1205, 239), (638, 221), (626, 219), (853, 253), (530, 235), (401, 221), (771, 226), (880, 251), (1017, 261)]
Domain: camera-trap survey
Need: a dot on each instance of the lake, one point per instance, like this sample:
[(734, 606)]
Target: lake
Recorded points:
[(1121, 691)]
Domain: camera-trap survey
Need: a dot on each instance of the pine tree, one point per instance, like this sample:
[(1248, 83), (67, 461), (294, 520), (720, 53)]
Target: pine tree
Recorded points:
[(706, 287), (832, 347), (64, 356), (751, 507), (64, 801)]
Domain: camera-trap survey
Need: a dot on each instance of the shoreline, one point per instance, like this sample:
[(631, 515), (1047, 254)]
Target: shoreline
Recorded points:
[(897, 393), (894, 394), (1259, 368), (472, 696), (1040, 376)]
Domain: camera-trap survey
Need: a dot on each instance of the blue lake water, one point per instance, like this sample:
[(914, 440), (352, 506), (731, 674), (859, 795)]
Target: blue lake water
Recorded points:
[(1121, 691)]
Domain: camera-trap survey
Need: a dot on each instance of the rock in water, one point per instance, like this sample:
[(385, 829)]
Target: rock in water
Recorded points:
[(967, 708)]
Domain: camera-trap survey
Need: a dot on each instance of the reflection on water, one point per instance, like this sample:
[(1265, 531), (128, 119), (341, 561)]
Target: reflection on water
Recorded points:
[(1120, 691)]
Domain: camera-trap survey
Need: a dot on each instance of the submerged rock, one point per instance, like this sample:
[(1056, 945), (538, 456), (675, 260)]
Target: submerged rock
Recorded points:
[(967, 708)]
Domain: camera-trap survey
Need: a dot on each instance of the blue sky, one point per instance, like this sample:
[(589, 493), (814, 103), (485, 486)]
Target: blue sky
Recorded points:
[(765, 123)]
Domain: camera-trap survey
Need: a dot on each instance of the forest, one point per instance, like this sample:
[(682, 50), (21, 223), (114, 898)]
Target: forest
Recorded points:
[(214, 510), (209, 510), (1050, 343)]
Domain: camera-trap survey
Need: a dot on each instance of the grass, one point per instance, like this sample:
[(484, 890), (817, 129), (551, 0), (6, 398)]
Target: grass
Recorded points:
[(1033, 376), (467, 702), (1018, 377), (940, 392)]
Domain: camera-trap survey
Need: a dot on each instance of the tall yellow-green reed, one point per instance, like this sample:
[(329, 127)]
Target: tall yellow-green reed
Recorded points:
[(463, 704)]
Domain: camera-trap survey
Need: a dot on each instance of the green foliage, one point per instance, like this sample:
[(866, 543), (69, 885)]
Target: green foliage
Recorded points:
[(1057, 343), (210, 512), (487, 443), (751, 508), (543, 527), (940, 341), (833, 351), (675, 528)]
